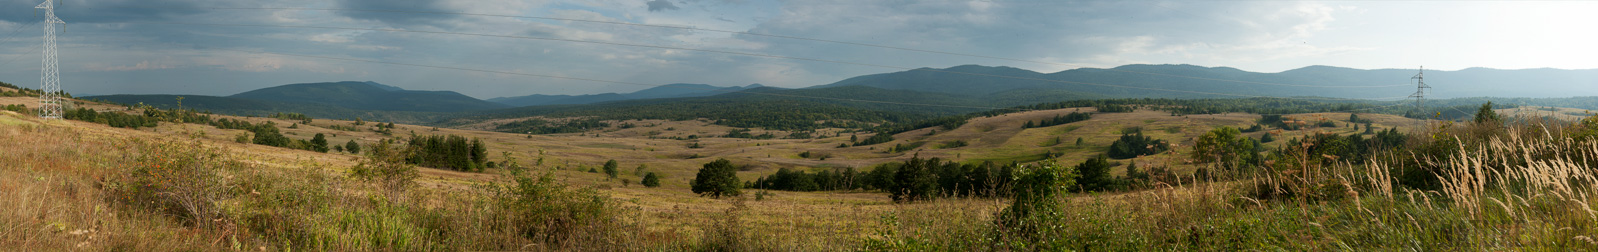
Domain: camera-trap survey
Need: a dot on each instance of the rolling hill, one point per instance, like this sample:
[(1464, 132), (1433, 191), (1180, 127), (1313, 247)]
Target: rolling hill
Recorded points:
[(368, 96), (678, 90), (1189, 81)]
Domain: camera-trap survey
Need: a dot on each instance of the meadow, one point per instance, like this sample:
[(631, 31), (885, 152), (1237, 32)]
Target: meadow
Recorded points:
[(1522, 183)]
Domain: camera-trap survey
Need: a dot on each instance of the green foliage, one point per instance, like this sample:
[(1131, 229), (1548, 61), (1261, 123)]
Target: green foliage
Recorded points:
[(1485, 114), (744, 133), (448, 152), (717, 178), (875, 139), (611, 168), (1060, 119), (386, 165), (319, 143), (183, 181), (915, 181), (954, 144), (302, 118), (651, 180), (1029, 216), (905, 147), (1354, 118), (1133, 144), (352, 147), (1113, 108), (541, 126), (1226, 146), (113, 119), (1094, 174)]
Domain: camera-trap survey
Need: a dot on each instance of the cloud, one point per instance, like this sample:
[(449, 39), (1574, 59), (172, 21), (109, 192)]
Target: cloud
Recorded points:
[(142, 65), (105, 11), (397, 12), (661, 5)]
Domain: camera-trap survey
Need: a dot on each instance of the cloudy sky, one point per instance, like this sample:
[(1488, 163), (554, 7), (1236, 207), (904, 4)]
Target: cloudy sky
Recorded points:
[(183, 47)]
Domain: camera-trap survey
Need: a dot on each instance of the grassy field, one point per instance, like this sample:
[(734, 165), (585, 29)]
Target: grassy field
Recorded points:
[(88, 186)]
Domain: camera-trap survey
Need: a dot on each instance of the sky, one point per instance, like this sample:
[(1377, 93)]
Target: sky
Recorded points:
[(208, 47)]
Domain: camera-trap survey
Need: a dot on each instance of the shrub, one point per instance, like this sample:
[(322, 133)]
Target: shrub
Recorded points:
[(651, 180), (176, 179), (352, 147), (1028, 218), (385, 166)]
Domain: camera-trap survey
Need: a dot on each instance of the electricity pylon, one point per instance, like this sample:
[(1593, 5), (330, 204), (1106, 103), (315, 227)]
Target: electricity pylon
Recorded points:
[(49, 75), (1420, 91)]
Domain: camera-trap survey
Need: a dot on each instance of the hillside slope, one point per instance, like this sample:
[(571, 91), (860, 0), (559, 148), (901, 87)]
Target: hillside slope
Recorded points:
[(368, 96)]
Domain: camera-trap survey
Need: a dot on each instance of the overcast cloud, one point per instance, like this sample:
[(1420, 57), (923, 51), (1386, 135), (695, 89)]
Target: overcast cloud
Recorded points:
[(172, 46)]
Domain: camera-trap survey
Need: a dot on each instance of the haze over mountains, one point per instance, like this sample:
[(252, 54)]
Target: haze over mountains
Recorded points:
[(950, 89)]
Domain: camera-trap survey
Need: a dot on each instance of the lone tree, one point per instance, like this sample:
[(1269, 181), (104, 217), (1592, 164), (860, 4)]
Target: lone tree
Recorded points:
[(352, 147), (319, 143), (651, 180), (718, 178), (610, 168), (1486, 114)]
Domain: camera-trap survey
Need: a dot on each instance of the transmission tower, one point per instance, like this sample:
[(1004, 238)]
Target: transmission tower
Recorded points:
[(1420, 91), (49, 76)]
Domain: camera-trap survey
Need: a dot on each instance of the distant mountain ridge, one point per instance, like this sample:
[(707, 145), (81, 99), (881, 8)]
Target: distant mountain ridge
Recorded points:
[(678, 90), (368, 96), (1189, 81)]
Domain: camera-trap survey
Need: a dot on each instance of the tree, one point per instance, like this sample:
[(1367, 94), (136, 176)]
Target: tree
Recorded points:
[(352, 147), (651, 180), (610, 168), (1269, 138), (1225, 145), (319, 143), (914, 181), (1095, 174), (717, 178), (1133, 143), (1486, 114)]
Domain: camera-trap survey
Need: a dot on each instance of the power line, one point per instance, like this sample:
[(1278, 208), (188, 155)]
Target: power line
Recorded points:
[(14, 32), (811, 39), (619, 82), (753, 55)]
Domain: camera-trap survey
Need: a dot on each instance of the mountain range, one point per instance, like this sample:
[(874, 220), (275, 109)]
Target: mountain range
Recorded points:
[(956, 89), (678, 90), (1189, 81)]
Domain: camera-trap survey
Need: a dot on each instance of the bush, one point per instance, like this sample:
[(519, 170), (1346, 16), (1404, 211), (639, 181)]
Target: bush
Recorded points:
[(177, 179), (352, 147), (651, 180), (717, 178), (1036, 196), (385, 165)]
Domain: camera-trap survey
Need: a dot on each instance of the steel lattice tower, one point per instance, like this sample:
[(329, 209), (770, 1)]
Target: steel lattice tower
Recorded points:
[(1420, 91), (49, 75)]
